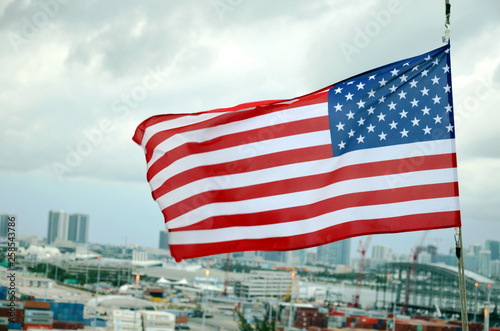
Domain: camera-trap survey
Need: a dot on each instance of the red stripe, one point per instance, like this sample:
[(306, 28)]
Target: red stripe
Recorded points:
[(238, 139), (141, 128), (223, 119), (245, 165), (408, 223), (322, 207), (305, 183)]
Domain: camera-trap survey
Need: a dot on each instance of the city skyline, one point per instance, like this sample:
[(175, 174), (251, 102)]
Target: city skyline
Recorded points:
[(377, 240)]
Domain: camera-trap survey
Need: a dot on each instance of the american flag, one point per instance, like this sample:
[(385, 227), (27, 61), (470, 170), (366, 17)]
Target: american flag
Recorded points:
[(371, 154)]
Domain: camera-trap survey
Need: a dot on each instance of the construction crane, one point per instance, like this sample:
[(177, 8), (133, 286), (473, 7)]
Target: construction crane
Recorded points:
[(292, 293), (416, 251), (363, 247)]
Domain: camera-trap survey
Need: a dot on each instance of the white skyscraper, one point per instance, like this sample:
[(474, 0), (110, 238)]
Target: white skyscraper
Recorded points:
[(64, 226)]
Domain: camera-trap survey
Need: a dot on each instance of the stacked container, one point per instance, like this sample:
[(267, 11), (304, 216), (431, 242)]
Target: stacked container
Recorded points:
[(13, 310), (68, 312), (38, 319), (158, 321), (310, 317), (125, 320)]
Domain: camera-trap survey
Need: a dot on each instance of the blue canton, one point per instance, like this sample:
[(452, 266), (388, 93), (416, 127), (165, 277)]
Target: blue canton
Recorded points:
[(403, 102)]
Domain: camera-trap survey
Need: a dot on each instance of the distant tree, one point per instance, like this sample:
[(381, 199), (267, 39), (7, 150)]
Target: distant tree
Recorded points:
[(259, 325)]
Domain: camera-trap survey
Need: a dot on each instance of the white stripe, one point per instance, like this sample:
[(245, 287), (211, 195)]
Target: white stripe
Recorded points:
[(256, 122), (175, 123), (304, 198), (241, 152), (314, 224), (305, 169)]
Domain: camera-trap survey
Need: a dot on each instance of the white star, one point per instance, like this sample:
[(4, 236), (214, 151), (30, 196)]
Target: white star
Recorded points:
[(425, 110), (393, 125), (406, 64), (361, 121), (370, 110), (424, 73), (415, 121), (381, 117), (450, 127), (360, 139), (414, 102), (404, 133), (371, 128), (394, 72), (425, 91), (371, 93), (427, 130), (382, 135), (341, 145), (381, 100), (360, 86), (447, 51), (437, 119), (435, 80), (448, 108), (428, 58), (392, 105), (413, 83), (436, 99), (338, 90), (350, 83), (351, 133), (402, 95), (403, 78), (340, 126), (361, 104), (447, 88), (348, 96), (371, 77), (382, 82), (415, 68), (338, 107), (446, 68), (393, 88), (436, 62), (403, 113), (350, 115)]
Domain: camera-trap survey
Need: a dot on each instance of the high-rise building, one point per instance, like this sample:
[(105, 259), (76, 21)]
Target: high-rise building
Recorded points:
[(163, 239), (4, 224), (338, 252), (484, 263), (64, 226), (78, 228), (494, 247)]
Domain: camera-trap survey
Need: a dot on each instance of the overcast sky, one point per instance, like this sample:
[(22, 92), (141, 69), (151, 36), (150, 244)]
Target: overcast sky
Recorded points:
[(78, 77)]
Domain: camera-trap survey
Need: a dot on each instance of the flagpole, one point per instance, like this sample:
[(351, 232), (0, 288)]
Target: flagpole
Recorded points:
[(446, 38), (461, 277), (458, 230)]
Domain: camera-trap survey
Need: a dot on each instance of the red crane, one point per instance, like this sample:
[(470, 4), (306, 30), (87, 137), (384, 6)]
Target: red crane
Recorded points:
[(416, 251), (363, 247)]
